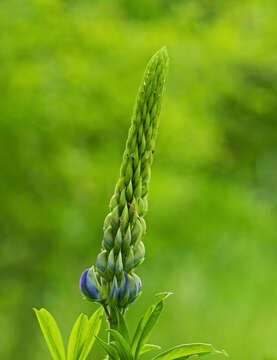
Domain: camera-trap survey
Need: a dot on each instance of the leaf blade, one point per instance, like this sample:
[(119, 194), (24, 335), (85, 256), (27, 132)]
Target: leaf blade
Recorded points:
[(51, 333), (109, 348), (187, 350), (149, 347), (123, 347), (122, 326), (77, 337), (147, 323), (94, 325)]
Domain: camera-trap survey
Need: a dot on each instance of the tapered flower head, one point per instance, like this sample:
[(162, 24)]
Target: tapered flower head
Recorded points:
[(113, 281)]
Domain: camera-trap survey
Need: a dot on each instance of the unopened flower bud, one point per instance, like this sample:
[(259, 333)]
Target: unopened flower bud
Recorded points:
[(114, 291), (140, 207), (108, 238), (115, 216), (122, 199), (129, 261), (133, 211), (89, 285), (127, 240), (113, 201), (136, 231), (123, 286), (118, 241), (101, 262), (124, 218), (129, 191), (139, 253), (134, 286), (111, 263), (119, 265), (143, 224), (129, 172)]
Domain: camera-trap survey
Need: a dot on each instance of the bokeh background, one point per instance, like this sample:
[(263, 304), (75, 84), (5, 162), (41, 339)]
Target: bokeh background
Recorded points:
[(69, 75)]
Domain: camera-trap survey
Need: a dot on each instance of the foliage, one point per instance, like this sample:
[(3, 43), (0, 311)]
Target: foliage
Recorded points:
[(85, 331), (81, 339)]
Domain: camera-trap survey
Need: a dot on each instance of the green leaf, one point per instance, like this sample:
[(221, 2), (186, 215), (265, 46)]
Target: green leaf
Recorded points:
[(93, 328), (122, 326), (147, 323), (51, 334), (122, 345), (110, 349), (163, 295), (77, 338), (149, 347), (186, 350)]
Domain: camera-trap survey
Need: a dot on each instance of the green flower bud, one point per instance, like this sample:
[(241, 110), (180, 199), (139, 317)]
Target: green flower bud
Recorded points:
[(139, 253), (140, 207), (115, 216), (136, 158), (145, 204), (129, 173), (134, 286), (114, 201), (137, 231), (114, 291), (122, 199), (111, 264), (119, 185), (108, 238), (124, 217), (127, 239), (107, 220), (133, 211), (119, 265), (137, 179), (129, 191), (101, 262), (129, 261), (118, 241), (143, 223), (123, 302)]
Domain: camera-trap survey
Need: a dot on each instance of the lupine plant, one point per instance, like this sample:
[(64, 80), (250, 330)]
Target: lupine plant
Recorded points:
[(112, 281)]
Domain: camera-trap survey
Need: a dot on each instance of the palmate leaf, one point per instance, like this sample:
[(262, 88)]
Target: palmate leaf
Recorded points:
[(186, 350), (51, 334), (146, 324)]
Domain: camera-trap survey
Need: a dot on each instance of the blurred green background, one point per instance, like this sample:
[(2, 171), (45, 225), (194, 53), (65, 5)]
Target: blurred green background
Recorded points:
[(69, 75)]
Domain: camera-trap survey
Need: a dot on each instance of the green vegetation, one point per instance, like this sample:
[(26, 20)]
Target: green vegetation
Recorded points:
[(69, 73)]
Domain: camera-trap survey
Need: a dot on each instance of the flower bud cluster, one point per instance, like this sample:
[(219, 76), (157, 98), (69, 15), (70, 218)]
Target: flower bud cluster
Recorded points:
[(113, 278), (122, 292)]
